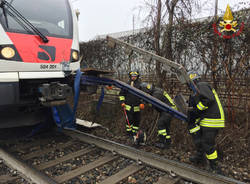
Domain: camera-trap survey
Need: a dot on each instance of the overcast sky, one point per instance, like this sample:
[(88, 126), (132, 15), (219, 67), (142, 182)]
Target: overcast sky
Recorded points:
[(98, 17)]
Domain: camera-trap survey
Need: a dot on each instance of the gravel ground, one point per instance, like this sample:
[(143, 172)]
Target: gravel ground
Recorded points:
[(144, 176), (98, 174), (232, 142), (74, 163), (176, 153), (5, 170)]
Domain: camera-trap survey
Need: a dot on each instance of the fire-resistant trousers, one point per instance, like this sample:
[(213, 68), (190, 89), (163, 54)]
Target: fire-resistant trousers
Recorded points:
[(134, 120), (204, 140), (164, 122)]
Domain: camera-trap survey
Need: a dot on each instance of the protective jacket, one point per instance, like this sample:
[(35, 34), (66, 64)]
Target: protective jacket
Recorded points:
[(163, 96), (207, 107), (132, 102)]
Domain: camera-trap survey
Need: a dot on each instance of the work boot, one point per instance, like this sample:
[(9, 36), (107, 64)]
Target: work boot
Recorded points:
[(163, 143), (167, 143), (130, 134), (197, 158), (140, 138), (214, 167)]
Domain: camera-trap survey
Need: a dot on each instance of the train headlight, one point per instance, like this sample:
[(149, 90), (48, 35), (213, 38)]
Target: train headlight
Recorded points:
[(8, 52), (75, 55)]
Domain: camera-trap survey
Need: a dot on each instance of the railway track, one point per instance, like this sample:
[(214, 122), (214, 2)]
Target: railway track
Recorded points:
[(76, 157)]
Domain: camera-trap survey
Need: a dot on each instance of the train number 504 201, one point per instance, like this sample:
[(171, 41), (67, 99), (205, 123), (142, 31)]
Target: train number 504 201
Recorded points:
[(44, 66)]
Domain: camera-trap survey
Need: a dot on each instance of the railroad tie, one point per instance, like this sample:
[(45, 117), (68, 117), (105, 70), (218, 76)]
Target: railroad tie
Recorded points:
[(131, 169), (97, 163)]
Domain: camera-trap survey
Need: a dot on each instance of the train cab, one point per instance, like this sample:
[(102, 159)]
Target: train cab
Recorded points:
[(39, 52)]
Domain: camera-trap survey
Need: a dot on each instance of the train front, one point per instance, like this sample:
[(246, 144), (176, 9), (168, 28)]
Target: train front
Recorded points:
[(39, 54)]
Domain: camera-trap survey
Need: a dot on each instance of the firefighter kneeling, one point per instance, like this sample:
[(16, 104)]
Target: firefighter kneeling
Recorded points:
[(205, 118)]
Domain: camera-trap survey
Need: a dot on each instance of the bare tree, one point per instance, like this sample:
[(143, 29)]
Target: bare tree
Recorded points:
[(163, 16)]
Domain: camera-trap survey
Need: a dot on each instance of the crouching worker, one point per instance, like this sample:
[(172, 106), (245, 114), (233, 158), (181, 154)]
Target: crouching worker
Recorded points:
[(132, 106), (205, 118), (165, 118)]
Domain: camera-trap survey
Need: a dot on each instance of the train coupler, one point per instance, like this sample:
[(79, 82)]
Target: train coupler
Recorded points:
[(54, 92)]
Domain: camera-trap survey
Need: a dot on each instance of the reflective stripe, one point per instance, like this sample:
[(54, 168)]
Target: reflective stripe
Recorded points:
[(122, 98), (201, 107), (215, 123), (127, 107), (135, 128), (136, 108), (129, 127), (212, 123), (193, 130), (174, 107), (197, 120), (134, 131), (162, 132), (212, 156), (170, 100), (168, 137)]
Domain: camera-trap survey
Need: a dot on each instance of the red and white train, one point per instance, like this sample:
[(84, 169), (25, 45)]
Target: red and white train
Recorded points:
[(39, 54)]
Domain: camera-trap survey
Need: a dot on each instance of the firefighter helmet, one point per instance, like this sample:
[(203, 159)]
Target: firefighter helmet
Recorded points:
[(134, 74), (193, 75), (147, 88)]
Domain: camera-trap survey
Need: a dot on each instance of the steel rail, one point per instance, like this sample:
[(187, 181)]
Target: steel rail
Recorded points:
[(31, 173), (183, 170)]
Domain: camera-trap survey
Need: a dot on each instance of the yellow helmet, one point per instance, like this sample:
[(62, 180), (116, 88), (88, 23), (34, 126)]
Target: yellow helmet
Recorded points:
[(134, 74), (147, 88), (193, 75)]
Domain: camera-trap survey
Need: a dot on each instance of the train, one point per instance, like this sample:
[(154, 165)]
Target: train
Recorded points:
[(39, 57)]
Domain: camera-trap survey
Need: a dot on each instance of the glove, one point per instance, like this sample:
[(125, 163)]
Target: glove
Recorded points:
[(109, 87), (123, 104), (142, 106)]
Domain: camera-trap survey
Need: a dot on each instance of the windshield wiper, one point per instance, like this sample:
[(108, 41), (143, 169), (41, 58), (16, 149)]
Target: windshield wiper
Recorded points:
[(20, 16), (4, 13)]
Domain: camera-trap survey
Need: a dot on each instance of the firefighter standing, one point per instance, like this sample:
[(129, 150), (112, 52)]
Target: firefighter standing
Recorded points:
[(132, 105), (205, 118), (165, 118)]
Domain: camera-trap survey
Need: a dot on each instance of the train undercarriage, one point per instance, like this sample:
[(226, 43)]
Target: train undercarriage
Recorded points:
[(28, 102)]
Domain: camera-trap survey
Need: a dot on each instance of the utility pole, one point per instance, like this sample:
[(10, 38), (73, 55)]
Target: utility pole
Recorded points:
[(214, 61), (133, 24), (216, 10)]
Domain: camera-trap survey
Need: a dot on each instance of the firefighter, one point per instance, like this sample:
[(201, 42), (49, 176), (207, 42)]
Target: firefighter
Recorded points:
[(165, 118), (132, 105), (205, 118)]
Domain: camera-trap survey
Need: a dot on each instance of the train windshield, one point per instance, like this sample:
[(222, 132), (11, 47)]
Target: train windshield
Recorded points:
[(50, 17)]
